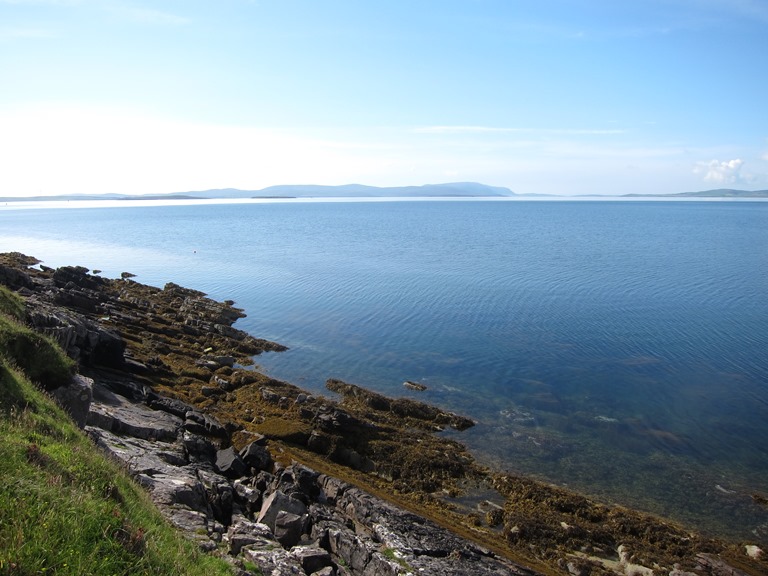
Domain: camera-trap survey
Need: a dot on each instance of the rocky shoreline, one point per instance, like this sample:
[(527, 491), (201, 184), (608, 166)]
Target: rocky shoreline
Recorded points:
[(272, 477)]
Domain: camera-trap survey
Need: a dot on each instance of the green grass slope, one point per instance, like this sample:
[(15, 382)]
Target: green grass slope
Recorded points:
[(64, 507)]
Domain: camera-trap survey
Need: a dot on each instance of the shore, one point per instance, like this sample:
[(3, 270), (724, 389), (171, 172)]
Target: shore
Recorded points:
[(181, 345)]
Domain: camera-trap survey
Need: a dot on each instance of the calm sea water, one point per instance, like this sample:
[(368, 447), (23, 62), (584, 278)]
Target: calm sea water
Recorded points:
[(618, 348)]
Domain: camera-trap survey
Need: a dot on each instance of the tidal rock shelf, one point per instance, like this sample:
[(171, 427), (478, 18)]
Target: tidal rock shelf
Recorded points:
[(270, 476)]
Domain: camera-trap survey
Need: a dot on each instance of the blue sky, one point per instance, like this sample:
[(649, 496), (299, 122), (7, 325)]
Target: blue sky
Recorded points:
[(548, 96)]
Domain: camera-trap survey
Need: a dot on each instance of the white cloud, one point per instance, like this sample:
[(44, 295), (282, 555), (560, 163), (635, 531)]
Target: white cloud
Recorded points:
[(721, 172)]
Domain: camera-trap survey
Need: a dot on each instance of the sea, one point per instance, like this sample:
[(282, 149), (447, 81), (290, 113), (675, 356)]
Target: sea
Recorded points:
[(617, 348)]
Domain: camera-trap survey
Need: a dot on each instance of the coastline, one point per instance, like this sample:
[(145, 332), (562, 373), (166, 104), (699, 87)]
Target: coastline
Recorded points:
[(182, 345), (20, 204)]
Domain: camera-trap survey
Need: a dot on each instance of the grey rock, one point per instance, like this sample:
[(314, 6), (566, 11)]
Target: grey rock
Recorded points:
[(381, 566), (275, 562), (14, 278), (199, 448), (229, 463), (200, 423), (83, 339), (717, 567), (279, 502), (117, 414), (247, 496), (352, 549), (245, 533), (76, 398), (189, 521), (256, 457), (219, 493), (312, 558), (171, 405), (289, 528)]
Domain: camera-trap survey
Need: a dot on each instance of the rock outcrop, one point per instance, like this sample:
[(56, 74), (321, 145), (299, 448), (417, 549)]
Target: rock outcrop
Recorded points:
[(287, 520)]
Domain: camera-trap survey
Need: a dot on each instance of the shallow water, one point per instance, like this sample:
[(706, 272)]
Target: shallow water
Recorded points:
[(617, 348)]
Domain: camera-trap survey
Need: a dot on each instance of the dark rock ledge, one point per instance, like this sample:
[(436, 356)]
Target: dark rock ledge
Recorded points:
[(163, 388)]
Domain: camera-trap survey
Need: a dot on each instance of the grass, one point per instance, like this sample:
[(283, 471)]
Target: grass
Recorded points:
[(35, 354), (252, 568), (65, 508), (391, 554), (11, 304)]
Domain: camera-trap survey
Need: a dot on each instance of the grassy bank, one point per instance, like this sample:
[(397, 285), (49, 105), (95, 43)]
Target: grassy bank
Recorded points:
[(64, 508)]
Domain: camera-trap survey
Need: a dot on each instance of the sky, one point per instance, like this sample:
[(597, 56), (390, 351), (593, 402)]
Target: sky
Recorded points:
[(542, 97)]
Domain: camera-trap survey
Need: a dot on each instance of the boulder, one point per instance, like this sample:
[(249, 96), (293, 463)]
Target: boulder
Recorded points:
[(279, 502), (256, 457), (220, 495), (312, 558), (229, 463), (245, 533), (199, 423), (198, 448), (76, 398), (247, 496), (289, 528)]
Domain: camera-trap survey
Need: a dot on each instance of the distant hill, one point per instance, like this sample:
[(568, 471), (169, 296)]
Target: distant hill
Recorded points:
[(448, 190), (453, 189), (718, 193)]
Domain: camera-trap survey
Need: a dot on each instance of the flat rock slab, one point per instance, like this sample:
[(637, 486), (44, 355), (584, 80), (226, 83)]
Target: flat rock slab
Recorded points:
[(114, 413)]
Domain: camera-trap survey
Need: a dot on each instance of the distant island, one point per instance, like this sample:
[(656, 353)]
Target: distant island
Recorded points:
[(448, 190), (718, 193)]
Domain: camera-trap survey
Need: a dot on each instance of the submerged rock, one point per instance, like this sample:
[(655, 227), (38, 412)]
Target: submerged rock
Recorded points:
[(411, 385)]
